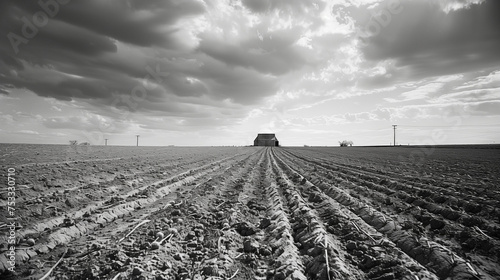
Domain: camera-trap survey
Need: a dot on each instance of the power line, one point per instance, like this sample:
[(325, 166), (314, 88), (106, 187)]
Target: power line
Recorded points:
[(450, 126)]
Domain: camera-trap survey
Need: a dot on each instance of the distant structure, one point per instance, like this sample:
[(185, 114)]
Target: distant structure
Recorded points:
[(345, 143), (75, 143), (266, 139), (394, 126)]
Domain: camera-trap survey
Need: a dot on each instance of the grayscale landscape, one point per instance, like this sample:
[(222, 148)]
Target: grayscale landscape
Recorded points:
[(250, 139)]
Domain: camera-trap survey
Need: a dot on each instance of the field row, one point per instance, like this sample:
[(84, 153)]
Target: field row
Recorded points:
[(247, 213)]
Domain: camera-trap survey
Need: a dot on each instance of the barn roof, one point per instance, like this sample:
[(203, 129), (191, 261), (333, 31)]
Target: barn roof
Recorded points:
[(266, 136)]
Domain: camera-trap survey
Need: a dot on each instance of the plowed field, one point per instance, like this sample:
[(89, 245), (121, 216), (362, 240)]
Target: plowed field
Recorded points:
[(250, 213)]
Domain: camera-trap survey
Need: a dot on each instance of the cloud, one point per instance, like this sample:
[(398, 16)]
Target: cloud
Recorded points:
[(485, 108), (243, 86), (444, 111), (7, 119), (191, 67), (382, 113), (75, 55), (290, 7), (419, 93), (469, 96), (490, 81), (427, 89), (440, 111), (277, 53), (425, 41), (86, 122), (28, 132), (453, 5), (136, 22), (118, 58)]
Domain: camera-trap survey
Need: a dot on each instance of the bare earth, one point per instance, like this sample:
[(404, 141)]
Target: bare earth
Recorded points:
[(251, 212)]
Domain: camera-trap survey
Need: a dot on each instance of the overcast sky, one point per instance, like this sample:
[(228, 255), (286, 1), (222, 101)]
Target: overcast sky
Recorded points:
[(193, 72)]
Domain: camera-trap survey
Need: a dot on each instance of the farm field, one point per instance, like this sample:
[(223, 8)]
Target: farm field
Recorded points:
[(251, 212)]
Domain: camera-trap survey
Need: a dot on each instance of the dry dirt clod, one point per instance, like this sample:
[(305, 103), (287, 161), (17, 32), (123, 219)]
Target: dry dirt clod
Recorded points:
[(137, 271), (264, 223), (173, 231), (30, 241), (245, 229), (351, 245), (265, 251), (180, 256), (250, 245), (190, 235), (155, 245), (212, 270)]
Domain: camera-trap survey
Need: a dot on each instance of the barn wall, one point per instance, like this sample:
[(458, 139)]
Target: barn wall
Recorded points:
[(265, 143), (266, 140)]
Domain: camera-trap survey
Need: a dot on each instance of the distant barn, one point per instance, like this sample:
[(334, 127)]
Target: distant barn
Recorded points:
[(266, 139)]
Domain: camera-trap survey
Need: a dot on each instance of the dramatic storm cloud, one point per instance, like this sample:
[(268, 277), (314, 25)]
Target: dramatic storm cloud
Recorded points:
[(218, 72)]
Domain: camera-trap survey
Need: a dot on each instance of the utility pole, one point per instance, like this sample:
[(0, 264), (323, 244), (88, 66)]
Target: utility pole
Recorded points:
[(105, 142), (394, 126), (137, 140)]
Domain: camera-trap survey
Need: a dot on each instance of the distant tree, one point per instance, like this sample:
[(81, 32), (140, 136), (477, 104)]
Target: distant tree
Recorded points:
[(345, 143), (73, 142)]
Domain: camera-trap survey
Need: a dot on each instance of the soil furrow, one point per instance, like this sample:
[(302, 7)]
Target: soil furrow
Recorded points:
[(462, 200), (61, 231), (378, 257), (461, 237), (432, 255), (239, 213), (321, 253)]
